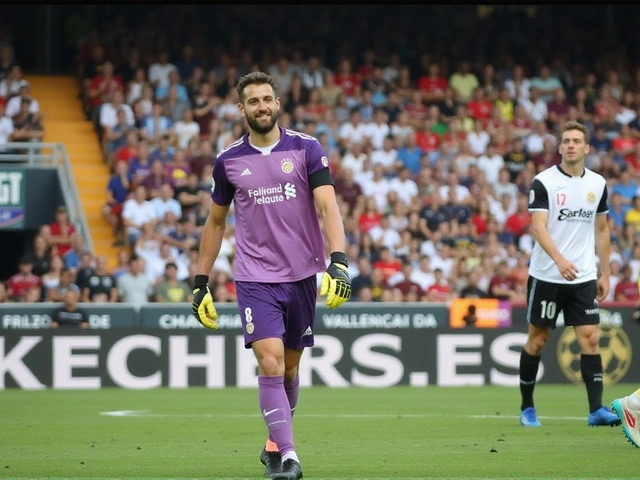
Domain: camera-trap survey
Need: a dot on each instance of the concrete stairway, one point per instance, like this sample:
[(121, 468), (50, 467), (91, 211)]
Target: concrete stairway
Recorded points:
[(64, 122)]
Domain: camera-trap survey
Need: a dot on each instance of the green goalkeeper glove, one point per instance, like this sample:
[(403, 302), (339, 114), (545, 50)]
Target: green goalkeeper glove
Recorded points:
[(336, 284), (202, 305)]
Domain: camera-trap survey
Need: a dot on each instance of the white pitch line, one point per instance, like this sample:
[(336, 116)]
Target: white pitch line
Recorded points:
[(149, 414)]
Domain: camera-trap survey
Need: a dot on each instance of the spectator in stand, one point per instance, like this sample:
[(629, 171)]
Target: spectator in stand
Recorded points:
[(160, 70), (164, 152), (440, 290), (558, 108), (518, 85), (178, 169), (118, 190), (632, 216), (165, 202), (57, 293), (61, 232), (134, 286), (6, 60), (135, 85), (19, 284), (186, 129), (11, 85), (534, 106), (204, 105), (156, 126), (136, 212), (347, 80), (117, 137), (51, 279), (14, 104), (162, 91), (387, 264), (69, 315), (464, 82), (40, 256), (111, 108), (432, 86), (170, 289), (503, 285), (100, 285), (101, 88), (626, 290), (546, 84), (188, 195), (174, 107), (479, 105), (626, 186)]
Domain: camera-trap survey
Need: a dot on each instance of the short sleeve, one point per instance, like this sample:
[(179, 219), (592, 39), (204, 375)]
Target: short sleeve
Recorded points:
[(222, 190), (316, 159), (603, 206), (538, 197)]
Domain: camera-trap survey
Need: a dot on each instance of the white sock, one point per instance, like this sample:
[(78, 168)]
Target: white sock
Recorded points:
[(290, 455), (633, 400)]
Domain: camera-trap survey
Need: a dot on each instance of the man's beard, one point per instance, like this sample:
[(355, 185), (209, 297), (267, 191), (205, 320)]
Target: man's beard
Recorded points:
[(262, 129)]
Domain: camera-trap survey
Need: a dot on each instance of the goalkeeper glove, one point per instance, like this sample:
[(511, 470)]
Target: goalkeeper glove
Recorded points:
[(202, 305), (336, 284)]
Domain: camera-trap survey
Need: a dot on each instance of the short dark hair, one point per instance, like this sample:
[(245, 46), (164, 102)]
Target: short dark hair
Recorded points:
[(254, 78), (571, 125)]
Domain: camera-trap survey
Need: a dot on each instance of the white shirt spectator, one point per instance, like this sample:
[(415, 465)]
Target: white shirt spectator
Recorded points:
[(384, 158), (390, 237), (462, 163), (355, 163), (510, 188), (160, 73), (535, 142), (446, 265), (536, 111), (401, 132), (109, 115), (161, 207), (9, 89), (353, 134), (6, 129), (525, 244), (523, 91), (406, 189), (135, 92), (185, 132), (491, 166), (499, 213), (462, 193), (625, 115), (138, 213), (424, 279), (478, 141), (377, 133), (13, 106), (378, 190)]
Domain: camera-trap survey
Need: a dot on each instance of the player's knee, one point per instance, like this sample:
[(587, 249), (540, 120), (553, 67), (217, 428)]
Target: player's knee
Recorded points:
[(290, 373), (271, 365), (536, 343), (590, 341)]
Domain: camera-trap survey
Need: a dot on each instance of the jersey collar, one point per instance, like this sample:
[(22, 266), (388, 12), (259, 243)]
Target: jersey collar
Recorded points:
[(584, 171)]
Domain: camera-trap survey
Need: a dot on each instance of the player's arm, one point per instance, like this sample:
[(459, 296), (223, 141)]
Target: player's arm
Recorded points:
[(212, 235), (336, 284), (603, 246), (539, 208)]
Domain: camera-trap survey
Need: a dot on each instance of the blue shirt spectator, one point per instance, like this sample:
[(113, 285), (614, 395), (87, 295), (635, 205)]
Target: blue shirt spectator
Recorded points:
[(411, 157)]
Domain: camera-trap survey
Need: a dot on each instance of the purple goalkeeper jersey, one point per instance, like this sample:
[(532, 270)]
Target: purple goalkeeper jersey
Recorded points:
[(278, 237)]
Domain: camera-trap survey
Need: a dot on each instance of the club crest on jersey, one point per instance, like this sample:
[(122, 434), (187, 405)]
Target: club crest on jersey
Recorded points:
[(249, 328), (591, 197), (286, 165), (325, 161)]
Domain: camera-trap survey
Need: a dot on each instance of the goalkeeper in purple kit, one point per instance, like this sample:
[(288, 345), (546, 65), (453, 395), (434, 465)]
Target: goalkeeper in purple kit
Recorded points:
[(276, 177)]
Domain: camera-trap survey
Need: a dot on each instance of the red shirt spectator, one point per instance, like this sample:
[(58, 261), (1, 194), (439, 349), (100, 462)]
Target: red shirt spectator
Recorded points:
[(433, 85), (103, 85), (20, 283), (440, 290), (346, 79), (502, 285), (626, 291), (62, 232), (479, 107), (428, 141)]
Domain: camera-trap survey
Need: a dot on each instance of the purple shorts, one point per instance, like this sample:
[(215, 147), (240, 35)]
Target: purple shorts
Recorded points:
[(278, 310)]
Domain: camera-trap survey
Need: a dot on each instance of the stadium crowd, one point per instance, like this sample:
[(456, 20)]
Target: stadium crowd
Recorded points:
[(432, 162)]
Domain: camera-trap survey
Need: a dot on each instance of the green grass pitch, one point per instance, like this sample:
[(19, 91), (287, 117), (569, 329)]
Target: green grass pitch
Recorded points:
[(399, 432)]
